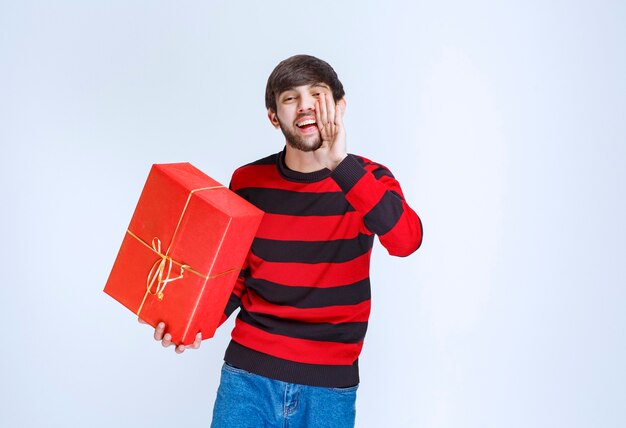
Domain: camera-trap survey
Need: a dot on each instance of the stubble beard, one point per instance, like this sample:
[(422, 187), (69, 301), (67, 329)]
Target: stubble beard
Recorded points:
[(299, 142)]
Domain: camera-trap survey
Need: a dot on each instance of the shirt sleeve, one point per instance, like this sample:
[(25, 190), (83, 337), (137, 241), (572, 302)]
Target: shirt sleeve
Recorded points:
[(234, 301), (373, 191)]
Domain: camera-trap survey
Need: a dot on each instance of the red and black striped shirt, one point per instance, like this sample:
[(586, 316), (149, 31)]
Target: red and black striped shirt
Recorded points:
[(304, 293)]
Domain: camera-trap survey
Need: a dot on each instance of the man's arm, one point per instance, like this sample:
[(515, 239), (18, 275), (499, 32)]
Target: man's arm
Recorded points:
[(370, 188), (374, 192), (235, 297)]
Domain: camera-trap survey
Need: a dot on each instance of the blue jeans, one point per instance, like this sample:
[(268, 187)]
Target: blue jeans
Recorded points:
[(247, 400)]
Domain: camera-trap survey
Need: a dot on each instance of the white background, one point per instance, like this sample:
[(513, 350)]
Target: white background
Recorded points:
[(504, 122)]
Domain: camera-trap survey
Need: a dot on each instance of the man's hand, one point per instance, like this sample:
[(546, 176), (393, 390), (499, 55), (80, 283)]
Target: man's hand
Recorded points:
[(329, 119), (166, 339)]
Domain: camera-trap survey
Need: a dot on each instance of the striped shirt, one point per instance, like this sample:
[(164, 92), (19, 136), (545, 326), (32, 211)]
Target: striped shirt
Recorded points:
[(304, 293)]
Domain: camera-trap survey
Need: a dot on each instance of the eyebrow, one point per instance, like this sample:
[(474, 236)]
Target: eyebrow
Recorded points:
[(320, 85), (311, 86)]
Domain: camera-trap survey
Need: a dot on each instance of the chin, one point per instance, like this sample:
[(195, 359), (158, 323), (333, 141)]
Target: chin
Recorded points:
[(308, 143), (304, 146)]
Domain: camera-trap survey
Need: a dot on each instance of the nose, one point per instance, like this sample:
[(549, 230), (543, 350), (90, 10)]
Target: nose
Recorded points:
[(307, 103)]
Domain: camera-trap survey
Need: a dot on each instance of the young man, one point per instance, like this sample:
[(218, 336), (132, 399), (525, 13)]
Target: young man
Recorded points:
[(304, 293)]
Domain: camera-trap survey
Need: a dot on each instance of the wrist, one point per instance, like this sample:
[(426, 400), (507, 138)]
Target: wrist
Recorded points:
[(348, 173), (333, 163)]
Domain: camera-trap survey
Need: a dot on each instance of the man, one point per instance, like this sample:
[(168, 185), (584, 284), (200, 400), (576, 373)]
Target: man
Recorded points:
[(304, 293)]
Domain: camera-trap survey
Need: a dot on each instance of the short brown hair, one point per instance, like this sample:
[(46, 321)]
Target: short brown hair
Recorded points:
[(301, 70)]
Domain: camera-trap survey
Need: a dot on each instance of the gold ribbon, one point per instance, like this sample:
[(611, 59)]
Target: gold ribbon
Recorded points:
[(157, 274), (158, 268)]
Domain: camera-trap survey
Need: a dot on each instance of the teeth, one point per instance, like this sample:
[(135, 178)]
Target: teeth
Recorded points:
[(306, 122)]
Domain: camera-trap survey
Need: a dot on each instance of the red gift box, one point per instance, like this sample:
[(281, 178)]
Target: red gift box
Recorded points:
[(183, 251)]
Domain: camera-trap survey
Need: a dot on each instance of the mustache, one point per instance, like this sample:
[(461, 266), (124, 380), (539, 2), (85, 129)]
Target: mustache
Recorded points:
[(303, 115)]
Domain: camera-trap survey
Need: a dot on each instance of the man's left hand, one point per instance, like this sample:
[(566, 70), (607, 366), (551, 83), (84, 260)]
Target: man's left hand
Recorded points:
[(329, 117)]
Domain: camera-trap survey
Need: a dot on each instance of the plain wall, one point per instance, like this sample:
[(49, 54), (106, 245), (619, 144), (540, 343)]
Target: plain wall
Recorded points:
[(503, 121)]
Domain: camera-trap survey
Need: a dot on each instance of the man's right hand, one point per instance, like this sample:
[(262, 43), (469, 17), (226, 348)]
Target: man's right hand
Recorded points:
[(166, 339)]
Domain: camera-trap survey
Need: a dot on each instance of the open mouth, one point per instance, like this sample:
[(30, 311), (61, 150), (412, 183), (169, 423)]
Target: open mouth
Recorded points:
[(307, 124)]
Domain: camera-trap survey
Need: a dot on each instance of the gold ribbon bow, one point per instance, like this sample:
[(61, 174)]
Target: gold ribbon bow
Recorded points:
[(158, 269)]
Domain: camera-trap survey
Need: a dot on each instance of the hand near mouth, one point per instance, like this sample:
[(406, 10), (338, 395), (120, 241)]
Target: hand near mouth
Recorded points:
[(329, 118)]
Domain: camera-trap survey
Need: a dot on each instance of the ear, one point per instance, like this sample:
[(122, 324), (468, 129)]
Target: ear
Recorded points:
[(271, 115)]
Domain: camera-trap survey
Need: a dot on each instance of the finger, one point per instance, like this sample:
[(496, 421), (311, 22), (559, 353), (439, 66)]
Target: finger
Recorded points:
[(340, 111), (167, 340), (158, 331), (196, 344), (141, 321), (323, 110), (318, 116), (180, 349), (330, 108)]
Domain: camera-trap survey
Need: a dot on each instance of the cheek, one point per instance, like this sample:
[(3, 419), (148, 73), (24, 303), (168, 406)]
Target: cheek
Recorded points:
[(282, 115)]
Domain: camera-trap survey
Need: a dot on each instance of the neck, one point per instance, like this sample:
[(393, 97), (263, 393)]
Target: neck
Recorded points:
[(297, 160)]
